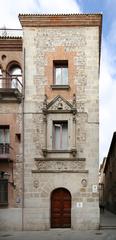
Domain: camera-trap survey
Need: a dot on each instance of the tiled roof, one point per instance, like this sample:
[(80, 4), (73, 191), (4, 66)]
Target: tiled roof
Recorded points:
[(62, 14), (10, 37)]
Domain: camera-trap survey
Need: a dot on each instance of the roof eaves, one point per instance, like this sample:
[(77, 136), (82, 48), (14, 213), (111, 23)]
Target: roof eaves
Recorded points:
[(63, 14), (9, 37)]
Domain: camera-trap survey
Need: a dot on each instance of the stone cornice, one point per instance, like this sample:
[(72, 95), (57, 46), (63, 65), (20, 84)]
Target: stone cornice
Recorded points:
[(60, 159), (10, 44), (60, 20), (60, 171)]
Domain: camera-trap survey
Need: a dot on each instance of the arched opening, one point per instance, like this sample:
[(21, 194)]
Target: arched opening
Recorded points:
[(60, 208), (14, 74)]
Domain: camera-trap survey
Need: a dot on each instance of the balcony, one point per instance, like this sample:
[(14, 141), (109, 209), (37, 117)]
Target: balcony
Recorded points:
[(10, 89), (4, 151), (9, 32)]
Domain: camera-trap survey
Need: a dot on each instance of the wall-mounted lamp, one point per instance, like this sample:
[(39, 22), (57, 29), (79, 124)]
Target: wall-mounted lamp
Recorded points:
[(4, 175)]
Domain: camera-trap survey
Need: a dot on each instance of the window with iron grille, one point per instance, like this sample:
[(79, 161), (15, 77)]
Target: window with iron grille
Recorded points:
[(3, 191), (61, 72), (60, 135), (4, 139)]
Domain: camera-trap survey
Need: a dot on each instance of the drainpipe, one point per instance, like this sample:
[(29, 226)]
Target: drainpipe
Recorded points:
[(23, 143)]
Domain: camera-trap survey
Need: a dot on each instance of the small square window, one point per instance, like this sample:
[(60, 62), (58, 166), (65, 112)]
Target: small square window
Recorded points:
[(61, 72), (18, 137), (60, 135)]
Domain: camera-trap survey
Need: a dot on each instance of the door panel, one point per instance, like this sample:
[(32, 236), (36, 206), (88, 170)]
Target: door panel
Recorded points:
[(61, 208)]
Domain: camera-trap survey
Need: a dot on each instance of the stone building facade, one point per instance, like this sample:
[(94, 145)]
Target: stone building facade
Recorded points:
[(56, 124)]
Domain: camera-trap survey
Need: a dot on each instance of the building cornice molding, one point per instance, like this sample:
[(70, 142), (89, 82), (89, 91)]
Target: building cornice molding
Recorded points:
[(60, 20), (11, 44)]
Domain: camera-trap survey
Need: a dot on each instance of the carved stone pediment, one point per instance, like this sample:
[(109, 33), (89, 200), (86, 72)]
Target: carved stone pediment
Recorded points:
[(59, 104)]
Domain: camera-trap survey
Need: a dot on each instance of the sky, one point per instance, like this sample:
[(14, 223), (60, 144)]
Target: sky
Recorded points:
[(9, 10)]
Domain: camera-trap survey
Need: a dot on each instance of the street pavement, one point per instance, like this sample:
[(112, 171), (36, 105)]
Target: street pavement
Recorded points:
[(108, 221), (60, 235)]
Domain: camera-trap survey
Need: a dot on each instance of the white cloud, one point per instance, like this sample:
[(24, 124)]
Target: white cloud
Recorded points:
[(60, 6), (9, 9)]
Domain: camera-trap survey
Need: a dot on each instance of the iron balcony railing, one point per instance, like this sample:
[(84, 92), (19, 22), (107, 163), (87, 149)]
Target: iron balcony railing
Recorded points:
[(11, 82), (8, 32), (4, 148)]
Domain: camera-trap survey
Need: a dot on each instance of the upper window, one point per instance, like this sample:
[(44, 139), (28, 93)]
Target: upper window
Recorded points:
[(14, 76), (60, 135), (60, 72)]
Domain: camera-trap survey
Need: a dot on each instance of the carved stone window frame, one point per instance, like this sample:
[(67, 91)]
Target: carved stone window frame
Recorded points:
[(59, 109)]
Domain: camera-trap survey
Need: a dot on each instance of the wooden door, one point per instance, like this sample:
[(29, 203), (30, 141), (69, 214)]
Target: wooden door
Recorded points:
[(61, 208)]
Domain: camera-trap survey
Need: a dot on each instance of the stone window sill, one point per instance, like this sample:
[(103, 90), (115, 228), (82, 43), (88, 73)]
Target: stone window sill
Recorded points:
[(72, 151), (60, 86)]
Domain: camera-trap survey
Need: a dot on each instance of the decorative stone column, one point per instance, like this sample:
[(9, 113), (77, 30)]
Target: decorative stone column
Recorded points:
[(45, 125), (74, 110)]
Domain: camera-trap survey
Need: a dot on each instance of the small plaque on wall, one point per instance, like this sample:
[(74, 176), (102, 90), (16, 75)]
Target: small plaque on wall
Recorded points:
[(94, 188), (79, 204)]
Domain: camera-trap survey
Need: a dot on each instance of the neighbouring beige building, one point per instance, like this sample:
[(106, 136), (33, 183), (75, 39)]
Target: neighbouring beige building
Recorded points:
[(102, 184), (108, 177), (49, 123)]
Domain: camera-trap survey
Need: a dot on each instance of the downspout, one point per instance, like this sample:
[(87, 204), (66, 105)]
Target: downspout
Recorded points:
[(23, 143)]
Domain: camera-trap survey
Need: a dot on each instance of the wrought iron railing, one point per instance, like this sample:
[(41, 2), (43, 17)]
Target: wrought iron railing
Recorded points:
[(8, 32), (4, 148), (11, 82)]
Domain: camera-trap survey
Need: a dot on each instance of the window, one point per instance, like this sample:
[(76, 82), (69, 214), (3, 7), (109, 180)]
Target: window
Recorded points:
[(1, 78), (60, 135), (60, 72), (15, 72), (4, 139), (15, 75), (3, 191), (18, 137)]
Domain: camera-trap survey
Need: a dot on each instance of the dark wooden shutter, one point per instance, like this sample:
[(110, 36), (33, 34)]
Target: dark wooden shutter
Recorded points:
[(3, 191)]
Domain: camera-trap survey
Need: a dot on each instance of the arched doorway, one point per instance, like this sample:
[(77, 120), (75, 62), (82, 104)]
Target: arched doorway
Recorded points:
[(60, 208)]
